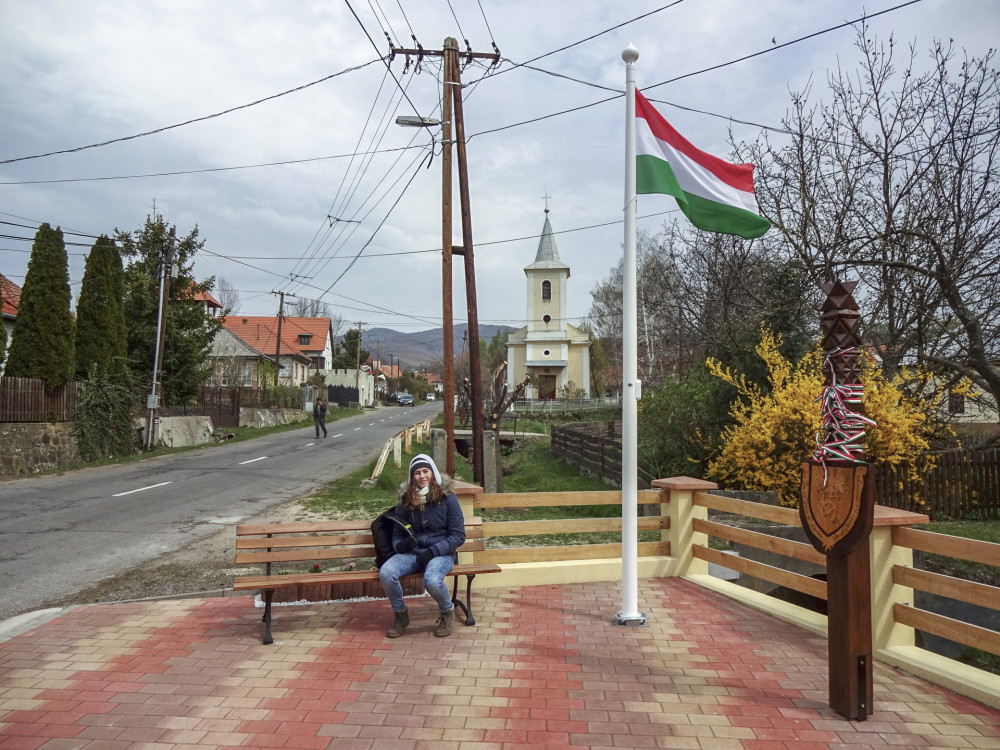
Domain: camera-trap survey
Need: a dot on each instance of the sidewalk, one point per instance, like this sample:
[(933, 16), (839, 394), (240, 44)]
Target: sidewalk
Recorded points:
[(545, 667)]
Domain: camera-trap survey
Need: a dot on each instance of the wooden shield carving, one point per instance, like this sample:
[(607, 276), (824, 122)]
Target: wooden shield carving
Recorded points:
[(836, 507)]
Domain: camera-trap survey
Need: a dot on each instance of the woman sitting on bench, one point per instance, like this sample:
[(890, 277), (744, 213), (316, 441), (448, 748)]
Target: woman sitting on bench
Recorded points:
[(428, 505)]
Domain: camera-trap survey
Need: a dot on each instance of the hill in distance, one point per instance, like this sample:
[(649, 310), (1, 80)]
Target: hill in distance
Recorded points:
[(421, 347)]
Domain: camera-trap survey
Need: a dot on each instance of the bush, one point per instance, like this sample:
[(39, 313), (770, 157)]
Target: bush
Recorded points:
[(104, 426)]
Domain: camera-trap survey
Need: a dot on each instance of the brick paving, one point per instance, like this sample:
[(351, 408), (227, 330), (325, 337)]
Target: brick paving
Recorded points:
[(544, 668)]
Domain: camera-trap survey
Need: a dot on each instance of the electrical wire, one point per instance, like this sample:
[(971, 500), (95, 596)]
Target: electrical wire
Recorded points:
[(196, 119)]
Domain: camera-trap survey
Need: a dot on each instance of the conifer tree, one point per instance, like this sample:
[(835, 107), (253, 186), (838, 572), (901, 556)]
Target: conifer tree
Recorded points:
[(100, 318), (190, 329), (42, 342)]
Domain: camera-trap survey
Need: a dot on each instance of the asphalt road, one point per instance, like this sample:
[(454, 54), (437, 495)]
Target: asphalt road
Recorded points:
[(60, 534)]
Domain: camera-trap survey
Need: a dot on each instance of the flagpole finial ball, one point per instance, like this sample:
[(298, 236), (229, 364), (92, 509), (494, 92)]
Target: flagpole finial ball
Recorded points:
[(630, 54)]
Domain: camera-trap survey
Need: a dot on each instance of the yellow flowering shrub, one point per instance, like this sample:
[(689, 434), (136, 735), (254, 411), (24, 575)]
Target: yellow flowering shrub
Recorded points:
[(775, 432)]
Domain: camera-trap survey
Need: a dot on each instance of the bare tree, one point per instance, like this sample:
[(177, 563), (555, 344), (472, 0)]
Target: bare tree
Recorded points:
[(229, 296), (895, 180), (310, 308)]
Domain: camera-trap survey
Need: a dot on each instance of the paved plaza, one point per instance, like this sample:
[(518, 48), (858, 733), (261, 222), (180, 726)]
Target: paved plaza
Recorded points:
[(545, 668)]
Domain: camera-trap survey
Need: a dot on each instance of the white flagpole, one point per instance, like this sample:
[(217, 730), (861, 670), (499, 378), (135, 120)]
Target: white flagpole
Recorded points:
[(629, 614)]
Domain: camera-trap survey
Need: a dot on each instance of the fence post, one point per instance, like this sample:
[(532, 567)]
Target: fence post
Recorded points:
[(682, 512)]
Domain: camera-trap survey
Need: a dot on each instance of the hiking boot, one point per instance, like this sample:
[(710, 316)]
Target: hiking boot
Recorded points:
[(399, 623), (445, 621)]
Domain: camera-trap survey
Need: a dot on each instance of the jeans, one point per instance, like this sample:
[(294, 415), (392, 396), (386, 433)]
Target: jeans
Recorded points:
[(401, 564), (320, 425)]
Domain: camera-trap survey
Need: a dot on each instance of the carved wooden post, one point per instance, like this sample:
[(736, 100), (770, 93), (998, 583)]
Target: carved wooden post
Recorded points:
[(838, 506)]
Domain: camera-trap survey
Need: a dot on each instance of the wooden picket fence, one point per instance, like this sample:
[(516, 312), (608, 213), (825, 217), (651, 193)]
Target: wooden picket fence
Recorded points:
[(960, 485), (26, 400), (952, 484)]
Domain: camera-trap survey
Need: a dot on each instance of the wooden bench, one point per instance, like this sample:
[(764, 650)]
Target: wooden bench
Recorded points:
[(280, 543)]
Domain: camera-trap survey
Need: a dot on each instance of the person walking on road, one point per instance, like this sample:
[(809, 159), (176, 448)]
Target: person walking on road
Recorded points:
[(319, 415), (428, 505)]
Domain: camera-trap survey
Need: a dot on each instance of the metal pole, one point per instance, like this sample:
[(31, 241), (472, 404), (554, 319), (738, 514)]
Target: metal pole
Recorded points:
[(161, 325), (447, 315), (629, 614), (475, 373)]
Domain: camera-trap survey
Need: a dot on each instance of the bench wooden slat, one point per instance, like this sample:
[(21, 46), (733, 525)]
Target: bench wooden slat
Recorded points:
[(321, 527), (247, 583), (297, 554)]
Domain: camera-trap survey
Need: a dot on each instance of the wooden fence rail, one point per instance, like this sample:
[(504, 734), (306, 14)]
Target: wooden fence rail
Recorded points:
[(26, 400)]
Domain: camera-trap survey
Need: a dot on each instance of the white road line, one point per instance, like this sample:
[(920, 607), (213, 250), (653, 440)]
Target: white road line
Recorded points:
[(142, 489), (340, 435), (371, 424), (356, 429), (308, 444), (252, 460)]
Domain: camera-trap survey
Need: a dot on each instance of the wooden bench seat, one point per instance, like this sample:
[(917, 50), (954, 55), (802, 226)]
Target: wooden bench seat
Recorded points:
[(289, 543)]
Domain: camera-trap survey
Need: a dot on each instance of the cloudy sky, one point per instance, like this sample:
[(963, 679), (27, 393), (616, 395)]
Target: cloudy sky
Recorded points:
[(260, 182)]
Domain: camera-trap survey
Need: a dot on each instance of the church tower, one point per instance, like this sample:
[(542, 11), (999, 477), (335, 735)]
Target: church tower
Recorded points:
[(556, 354)]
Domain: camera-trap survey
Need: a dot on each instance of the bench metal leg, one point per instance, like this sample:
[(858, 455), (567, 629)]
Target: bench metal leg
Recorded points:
[(268, 640), (465, 606)]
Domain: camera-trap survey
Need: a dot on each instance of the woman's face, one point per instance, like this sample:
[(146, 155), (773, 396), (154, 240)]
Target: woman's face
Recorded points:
[(422, 477)]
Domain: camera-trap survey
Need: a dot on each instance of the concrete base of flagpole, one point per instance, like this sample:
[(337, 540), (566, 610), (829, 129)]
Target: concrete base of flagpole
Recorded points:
[(637, 619)]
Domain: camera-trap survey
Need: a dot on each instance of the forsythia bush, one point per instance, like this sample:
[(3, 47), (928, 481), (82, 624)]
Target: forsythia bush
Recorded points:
[(775, 432)]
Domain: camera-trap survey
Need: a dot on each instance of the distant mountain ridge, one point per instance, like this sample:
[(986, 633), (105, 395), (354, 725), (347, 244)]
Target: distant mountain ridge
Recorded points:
[(421, 347)]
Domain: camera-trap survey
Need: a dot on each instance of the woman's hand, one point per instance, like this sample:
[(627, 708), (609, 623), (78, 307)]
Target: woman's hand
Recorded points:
[(407, 545)]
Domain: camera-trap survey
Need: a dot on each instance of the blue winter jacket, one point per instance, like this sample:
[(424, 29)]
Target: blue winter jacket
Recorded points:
[(439, 527)]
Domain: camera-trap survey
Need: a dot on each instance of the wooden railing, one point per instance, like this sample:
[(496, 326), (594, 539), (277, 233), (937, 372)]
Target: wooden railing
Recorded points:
[(758, 540), (563, 526), (969, 592)]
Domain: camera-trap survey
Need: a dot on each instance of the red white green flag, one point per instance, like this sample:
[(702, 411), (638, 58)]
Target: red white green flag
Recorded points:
[(715, 195)]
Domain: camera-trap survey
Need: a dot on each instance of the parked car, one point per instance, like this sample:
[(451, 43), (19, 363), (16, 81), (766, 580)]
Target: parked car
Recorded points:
[(430, 396), (404, 399)]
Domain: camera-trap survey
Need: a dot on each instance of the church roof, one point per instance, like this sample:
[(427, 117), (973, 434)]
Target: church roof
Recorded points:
[(548, 254)]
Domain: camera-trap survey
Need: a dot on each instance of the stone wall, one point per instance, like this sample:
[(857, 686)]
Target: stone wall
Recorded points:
[(271, 417), (29, 448)]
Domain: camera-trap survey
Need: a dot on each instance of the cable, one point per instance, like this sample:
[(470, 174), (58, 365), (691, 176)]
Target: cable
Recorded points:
[(776, 47), (189, 122), (457, 23)]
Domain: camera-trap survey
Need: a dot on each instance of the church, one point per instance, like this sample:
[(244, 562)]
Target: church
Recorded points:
[(553, 352)]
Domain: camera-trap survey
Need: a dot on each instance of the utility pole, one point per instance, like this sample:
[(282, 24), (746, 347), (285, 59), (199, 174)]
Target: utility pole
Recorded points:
[(277, 345), (357, 365), (153, 401), (452, 109)]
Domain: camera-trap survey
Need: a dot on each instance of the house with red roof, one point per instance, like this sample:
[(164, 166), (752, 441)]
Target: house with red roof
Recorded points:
[(10, 297), (305, 345)]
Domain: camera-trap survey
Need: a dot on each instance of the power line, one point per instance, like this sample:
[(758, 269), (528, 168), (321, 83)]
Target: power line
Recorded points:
[(189, 122)]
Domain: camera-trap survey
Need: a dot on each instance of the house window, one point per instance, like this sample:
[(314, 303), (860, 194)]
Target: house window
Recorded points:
[(546, 290), (304, 339), (956, 403)]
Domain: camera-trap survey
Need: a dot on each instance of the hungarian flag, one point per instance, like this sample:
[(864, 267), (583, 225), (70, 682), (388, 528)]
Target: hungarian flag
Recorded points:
[(715, 195)]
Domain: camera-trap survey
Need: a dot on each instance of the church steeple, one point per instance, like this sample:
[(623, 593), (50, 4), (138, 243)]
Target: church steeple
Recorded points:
[(548, 254)]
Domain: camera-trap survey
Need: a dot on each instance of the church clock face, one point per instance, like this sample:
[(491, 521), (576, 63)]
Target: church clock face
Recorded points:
[(546, 318)]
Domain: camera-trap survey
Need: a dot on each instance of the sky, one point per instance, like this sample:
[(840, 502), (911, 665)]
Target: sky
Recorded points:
[(264, 183)]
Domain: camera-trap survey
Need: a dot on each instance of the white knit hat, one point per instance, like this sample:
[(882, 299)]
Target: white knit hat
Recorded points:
[(422, 460)]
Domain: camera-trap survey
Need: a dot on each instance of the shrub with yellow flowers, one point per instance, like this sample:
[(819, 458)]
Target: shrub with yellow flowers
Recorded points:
[(774, 431)]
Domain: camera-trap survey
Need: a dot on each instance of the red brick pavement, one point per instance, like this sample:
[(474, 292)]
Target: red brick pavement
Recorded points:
[(544, 668)]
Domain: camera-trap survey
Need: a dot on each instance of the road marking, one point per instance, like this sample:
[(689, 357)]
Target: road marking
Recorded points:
[(308, 444), (340, 435), (142, 489), (371, 424), (252, 460), (356, 429)]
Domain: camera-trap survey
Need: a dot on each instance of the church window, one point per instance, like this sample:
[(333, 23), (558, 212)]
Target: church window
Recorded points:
[(546, 290), (546, 318)]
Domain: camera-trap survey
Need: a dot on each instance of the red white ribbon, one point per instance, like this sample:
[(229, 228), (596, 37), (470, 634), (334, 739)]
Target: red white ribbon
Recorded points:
[(842, 433)]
